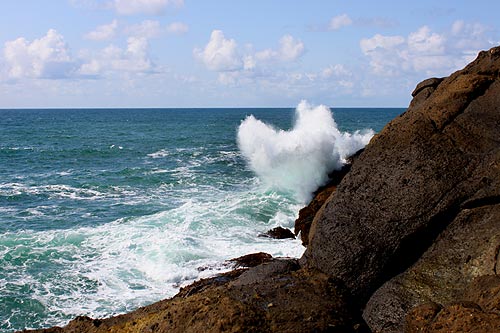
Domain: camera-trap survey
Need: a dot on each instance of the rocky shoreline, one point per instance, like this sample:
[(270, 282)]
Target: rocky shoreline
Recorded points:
[(405, 239)]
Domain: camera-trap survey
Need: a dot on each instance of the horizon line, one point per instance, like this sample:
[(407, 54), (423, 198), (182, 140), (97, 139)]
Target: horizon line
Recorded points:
[(193, 108)]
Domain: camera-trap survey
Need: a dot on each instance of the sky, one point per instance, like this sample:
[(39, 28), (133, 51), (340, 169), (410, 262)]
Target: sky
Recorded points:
[(233, 53)]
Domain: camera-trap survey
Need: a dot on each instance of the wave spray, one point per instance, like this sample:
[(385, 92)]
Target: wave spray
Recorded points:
[(300, 159)]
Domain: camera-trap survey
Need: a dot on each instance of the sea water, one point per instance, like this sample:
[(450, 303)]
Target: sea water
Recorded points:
[(106, 210)]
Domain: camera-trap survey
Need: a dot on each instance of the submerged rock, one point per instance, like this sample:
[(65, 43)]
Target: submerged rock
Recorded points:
[(279, 233)]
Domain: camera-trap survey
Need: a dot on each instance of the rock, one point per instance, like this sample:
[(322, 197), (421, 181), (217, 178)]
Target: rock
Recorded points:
[(438, 159), (279, 233), (307, 214), (455, 318), (203, 284), (485, 291), (266, 271), (251, 260), (287, 301), (465, 250)]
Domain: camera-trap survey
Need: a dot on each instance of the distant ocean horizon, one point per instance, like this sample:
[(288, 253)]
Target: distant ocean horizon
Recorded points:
[(106, 210)]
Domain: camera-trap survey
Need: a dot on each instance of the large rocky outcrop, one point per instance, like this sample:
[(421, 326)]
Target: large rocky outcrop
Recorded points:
[(440, 157)]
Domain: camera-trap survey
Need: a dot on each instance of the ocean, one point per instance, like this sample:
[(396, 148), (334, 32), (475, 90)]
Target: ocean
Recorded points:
[(106, 210)]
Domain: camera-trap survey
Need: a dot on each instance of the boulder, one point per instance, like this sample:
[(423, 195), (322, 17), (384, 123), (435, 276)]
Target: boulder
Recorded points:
[(251, 260), (279, 233), (419, 174)]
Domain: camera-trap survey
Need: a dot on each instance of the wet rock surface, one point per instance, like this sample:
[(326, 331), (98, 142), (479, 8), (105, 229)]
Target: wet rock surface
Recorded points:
[(279, 233), (306, 215)]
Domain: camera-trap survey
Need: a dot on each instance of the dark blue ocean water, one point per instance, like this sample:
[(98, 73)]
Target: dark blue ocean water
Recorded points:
[(103, 211)]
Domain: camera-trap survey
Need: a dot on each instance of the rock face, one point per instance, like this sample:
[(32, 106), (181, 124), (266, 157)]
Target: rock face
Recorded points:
[(479, 313), (466, 250), (307, 214), (423, 171)]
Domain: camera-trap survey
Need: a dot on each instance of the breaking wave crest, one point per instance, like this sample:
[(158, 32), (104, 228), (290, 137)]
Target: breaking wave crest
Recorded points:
[(300, 159)]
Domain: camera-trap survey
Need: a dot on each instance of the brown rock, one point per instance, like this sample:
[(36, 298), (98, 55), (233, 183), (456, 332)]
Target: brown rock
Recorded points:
[(455, 318), (279, 233), (287, 301), (251, 260), (467, 249), (420, 317), (439, 158), (307, 214), (485, 291)]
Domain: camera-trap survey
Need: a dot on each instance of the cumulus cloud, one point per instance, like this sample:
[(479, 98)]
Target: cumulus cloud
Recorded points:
[(424, 51), (220, 54), (339, 21), (103, 32), (152, 7), (290, 48), (48, 57), (134, 58), (244, 65)]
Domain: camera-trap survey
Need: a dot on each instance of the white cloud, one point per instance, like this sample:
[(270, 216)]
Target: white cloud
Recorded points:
[(380, 42), (424, 52), (220, 54), (242, 66), (335, 70), (177, 28), (423, 41), (133, 59), (339, 21), (146, 29), (152, 29), (152, 7), (48, 57), (103, 32), (290, 49)]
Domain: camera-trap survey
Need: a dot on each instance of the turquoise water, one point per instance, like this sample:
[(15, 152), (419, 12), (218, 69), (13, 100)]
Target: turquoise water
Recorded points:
[(103, 211)]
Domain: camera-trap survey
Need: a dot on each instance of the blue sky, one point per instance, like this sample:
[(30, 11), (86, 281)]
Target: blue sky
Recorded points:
[(182, 53)]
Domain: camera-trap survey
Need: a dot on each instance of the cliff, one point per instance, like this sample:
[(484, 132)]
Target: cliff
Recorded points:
[(408, 240)]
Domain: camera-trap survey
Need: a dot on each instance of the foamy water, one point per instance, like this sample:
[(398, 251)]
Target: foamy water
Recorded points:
[(89, 228)]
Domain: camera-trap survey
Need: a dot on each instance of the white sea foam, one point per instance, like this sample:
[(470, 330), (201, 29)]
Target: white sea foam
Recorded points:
[(56, 191), (300, 159), (159, 154), (131, 262)]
